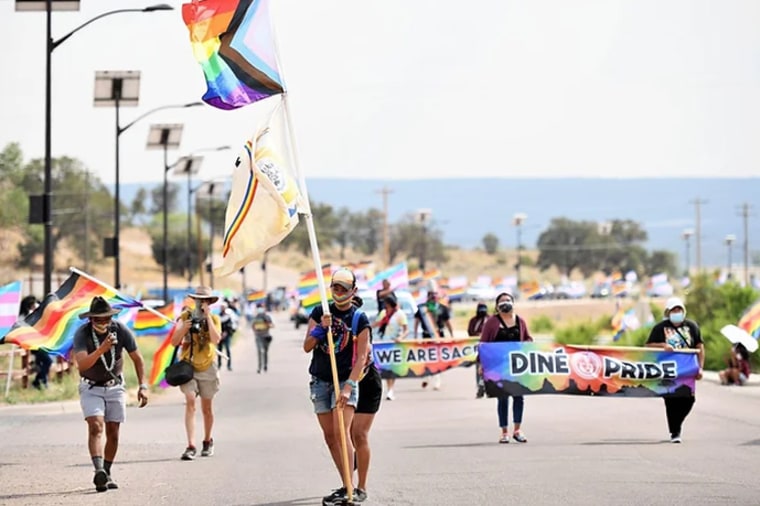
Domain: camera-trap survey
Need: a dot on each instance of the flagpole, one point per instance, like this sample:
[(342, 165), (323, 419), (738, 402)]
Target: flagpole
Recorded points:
[(109, 287), (347, 482), (10, 371)]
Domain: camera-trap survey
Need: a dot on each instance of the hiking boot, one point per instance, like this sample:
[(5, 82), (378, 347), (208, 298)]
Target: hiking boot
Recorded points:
[(360, 495), (675, 438), (100, 480), (110, 484), (189, 453), (337, 496), (208, 448)]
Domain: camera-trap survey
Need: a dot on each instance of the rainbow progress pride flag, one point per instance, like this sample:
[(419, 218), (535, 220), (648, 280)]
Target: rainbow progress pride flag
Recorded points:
[(547, 368), (163, 357), (415, 358), (52, 325), (233, 42)]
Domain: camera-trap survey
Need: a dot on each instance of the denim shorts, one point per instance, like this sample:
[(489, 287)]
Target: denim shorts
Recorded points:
[(323, 395)]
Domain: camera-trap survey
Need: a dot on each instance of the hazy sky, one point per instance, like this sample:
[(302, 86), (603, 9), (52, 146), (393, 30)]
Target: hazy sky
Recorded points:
[(401, 89)]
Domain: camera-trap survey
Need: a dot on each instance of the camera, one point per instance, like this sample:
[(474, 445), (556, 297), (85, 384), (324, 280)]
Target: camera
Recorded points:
[(195, 325)]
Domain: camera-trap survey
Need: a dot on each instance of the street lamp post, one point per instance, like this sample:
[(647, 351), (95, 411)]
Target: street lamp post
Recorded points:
[(517, 220), (117, 89), (686, 236), (210, 190), (729, 240), (189, 165), (49, 6), (165, 137), (423, 217)]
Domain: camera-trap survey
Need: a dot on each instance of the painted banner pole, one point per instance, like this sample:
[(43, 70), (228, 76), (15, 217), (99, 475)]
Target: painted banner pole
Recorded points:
[(10, 371), (347, 472)]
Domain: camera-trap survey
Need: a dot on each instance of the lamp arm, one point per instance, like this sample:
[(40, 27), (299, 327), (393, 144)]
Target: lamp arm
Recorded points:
[(55, 43)]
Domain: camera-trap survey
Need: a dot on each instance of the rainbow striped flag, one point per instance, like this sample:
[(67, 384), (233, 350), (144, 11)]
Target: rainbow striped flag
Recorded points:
[(52, 325), (147, 323), (257, 296), (313, 299), (10, 298), (163, 357), (750, 320), (308, 281), (432, 274), (415, 276), (234, 44)]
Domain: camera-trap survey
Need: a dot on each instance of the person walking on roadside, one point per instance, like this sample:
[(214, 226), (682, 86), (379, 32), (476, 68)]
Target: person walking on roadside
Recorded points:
[(199, 332), (228, 319), (474, 329), (393, 326), (42, 360), (675, 332), (433, 317), (97, 349), (347, 347), (506, 326), (262, 325)]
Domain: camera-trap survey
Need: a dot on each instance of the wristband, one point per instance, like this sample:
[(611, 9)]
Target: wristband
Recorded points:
[(143, 386), (352, 383)]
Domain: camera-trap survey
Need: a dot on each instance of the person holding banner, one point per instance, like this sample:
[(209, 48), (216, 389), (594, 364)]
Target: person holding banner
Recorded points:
[(393, 326), (675, 332), (506, 326), (434, 318), (347, 349)]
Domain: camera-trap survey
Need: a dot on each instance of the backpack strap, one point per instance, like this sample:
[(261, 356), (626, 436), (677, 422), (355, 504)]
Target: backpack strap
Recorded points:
[(355, 322)]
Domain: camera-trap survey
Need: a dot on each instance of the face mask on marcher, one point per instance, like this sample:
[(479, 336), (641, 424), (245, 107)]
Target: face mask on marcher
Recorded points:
[(677, 318), (504, 307)]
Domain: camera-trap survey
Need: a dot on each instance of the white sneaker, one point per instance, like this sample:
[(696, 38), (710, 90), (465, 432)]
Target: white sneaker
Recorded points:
[(437, 382), (676, 438), (390, 396)]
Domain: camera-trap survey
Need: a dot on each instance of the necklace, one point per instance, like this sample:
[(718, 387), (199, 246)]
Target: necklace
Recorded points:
[(102, 357)]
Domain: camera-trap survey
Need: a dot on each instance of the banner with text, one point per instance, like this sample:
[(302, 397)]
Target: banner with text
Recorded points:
[(547, 368), (423, 357)]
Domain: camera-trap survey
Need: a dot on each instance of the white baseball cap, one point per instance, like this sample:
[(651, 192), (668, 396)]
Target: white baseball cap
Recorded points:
[(674, 302)]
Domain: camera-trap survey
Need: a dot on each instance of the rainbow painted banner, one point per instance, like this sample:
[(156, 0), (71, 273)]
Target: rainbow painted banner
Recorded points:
[(547, 368), (423, 357)]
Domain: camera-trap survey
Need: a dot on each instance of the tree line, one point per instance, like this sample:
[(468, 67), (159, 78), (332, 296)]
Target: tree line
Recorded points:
[(83, 214)]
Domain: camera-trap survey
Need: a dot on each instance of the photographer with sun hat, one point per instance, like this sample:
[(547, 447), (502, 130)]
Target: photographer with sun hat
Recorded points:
[(97, 350), (199, 332)]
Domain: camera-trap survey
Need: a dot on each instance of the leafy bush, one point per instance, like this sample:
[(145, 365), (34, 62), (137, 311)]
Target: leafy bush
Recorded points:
[(541, 324), (584, 333)]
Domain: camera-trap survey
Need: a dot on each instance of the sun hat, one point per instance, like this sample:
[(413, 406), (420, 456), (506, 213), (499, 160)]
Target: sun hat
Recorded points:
[(99, 308), (204, 293)]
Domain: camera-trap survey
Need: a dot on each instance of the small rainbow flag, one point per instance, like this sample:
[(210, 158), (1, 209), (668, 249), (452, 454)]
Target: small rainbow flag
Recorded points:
[(308, 281), (52, 325), (10, 298), (750, 320), (432, 274), (313, 299), (415, 276), (233, 42), (147, 323), (257, 296)]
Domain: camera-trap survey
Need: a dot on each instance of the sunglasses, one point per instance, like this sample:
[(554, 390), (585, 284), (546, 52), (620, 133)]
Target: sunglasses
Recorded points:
[(101, 320)]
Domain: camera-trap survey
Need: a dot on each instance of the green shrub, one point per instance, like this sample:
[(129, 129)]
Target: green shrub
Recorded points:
[(634, 337), (541, 324), (585, 333)]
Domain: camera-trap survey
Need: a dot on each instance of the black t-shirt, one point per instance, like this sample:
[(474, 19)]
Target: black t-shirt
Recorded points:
[(687, 335), (508, 334), (440, 316), (381, 299), (344, 343), (84, 341)]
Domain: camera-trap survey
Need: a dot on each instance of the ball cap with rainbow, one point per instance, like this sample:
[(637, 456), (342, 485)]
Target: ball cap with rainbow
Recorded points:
[(344, 277)]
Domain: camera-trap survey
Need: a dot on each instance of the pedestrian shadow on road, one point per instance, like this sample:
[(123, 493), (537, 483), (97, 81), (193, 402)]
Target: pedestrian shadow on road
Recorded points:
[(303, 501), (623, 442), (127, 462), (754, 442), (447, 445), (42, 495)]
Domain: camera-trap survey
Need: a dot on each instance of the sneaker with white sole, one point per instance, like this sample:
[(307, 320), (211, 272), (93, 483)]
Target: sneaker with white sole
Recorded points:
[(208, 448), (675, 438), (337, 496), (390, 396), (504, 439), (189, 453), (100, 480), (519, 437)]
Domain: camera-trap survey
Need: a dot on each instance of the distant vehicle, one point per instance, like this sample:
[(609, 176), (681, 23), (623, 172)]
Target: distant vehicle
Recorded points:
[(405, 300), (572, 290), (481, 293), (601, 291)]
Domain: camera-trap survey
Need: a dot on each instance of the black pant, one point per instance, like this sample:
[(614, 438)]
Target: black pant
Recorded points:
[(224, 345), (262, 349), (676, 409), (43, 362)]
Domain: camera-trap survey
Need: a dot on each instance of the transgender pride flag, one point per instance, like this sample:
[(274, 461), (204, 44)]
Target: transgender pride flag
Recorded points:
[(397, 275), (10, 298)]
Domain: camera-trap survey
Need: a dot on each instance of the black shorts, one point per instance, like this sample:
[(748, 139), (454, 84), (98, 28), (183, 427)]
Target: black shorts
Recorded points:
[(370, 393)]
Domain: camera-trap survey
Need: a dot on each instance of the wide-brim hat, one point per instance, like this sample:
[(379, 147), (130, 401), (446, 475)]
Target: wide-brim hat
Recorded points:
[(204, 293), (99, 308)]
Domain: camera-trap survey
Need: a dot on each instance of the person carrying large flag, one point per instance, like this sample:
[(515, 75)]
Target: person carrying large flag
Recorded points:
[(97, 348)]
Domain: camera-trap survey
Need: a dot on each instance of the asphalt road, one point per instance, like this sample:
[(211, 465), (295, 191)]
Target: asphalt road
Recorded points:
[(430, 447)]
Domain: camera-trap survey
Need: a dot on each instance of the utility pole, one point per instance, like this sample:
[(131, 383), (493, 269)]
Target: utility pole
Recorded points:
[(745, 217), (385, 191), (698, 235)]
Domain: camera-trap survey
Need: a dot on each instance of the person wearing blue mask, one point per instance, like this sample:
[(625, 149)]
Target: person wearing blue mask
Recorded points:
[(675, 332)]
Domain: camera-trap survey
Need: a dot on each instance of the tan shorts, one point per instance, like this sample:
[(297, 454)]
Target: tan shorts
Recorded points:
[(204, 383)]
